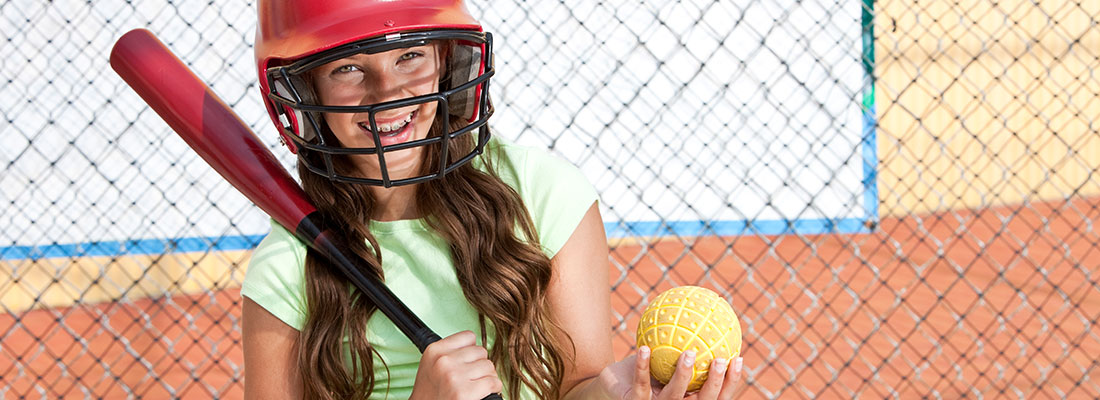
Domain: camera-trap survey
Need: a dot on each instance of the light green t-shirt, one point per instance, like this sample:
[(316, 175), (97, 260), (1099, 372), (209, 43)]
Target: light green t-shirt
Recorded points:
[(417, 262)]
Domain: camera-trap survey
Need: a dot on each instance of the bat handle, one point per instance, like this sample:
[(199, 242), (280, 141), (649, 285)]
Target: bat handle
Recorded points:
[(425, 336), (311, 231), (387, 302)]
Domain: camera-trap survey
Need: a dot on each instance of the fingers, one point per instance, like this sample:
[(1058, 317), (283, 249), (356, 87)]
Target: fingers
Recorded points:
[(486, 385), (723, 377), (640, 389), (455, 341), (460, 352), (733, 377), (715, 377), (456, 366), (467, 354), (677, 386)]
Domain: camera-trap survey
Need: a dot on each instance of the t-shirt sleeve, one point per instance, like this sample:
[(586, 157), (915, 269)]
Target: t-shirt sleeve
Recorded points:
[(275, 276), (557, 195)]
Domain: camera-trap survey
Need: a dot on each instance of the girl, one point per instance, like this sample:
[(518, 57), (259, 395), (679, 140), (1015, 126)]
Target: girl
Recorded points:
[(498, 248)]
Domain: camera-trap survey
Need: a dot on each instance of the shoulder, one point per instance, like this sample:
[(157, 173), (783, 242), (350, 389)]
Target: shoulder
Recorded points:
[(276, 274), (555, 192), (528, 168)]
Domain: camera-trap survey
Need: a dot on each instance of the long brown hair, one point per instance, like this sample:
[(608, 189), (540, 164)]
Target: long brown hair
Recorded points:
[(500, 267)]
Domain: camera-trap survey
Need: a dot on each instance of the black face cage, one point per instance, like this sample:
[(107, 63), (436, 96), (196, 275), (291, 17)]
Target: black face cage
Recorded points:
[(457, 100)]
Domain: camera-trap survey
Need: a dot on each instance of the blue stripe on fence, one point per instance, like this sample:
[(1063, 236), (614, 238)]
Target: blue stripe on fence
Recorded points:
[(614, 230), (131, 247), (734, 228)]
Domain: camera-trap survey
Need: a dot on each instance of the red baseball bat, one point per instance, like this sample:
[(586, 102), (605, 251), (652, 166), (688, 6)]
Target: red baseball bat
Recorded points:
[(219, 136)]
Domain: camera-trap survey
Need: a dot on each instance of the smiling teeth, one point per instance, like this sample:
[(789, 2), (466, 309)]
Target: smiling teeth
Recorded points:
[(390, 127)]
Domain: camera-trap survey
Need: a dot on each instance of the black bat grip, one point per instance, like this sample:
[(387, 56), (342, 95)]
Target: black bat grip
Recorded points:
[(380, 295), (310, 230)]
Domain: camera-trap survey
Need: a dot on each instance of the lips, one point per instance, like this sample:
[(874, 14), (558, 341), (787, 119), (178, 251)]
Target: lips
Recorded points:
[(392, 131)]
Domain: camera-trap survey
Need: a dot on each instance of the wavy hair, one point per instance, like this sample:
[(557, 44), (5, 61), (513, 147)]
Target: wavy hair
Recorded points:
[(500, 267)]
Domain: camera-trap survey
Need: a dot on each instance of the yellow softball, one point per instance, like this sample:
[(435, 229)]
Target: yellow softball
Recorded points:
[(688, 317)]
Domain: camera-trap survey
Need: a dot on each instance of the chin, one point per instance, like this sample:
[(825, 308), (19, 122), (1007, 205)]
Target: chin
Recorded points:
[(400, 164)]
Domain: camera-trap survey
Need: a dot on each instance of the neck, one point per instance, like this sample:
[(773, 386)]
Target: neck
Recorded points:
[(395, 203)]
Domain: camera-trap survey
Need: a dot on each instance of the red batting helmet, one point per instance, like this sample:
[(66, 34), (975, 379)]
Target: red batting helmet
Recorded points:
[(295, 36)]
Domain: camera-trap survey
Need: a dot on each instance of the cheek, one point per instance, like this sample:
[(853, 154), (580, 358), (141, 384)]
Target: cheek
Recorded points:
[(323, 91), (341, 126), (428, 113), (427, 109), (428, 86), (335, 119)]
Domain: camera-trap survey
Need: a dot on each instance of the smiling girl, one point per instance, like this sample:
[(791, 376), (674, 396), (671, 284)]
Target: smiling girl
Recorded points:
[(497, 247)]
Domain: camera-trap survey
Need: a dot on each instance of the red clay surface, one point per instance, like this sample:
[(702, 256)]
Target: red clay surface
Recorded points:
[(1000, 302), (185, 347)]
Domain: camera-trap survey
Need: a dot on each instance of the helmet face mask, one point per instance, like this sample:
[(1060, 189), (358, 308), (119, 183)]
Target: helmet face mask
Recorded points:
[(462, 101)]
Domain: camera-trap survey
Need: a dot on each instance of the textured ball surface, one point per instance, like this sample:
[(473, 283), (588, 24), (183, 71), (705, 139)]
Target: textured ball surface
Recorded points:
[(688, 318)]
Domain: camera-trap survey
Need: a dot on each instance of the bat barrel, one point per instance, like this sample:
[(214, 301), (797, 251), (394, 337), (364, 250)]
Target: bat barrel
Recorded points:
[(208, 125)]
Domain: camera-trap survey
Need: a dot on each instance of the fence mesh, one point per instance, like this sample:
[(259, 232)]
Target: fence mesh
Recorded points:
[(899, 198)]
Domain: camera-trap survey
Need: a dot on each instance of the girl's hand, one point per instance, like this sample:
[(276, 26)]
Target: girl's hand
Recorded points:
[(455, 368), (629, 379)]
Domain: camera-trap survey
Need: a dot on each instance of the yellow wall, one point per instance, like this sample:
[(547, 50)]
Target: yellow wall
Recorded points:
[(60, 282), (982, 105)]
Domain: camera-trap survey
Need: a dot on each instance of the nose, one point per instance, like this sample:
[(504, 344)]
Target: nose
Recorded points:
[(381, 86)]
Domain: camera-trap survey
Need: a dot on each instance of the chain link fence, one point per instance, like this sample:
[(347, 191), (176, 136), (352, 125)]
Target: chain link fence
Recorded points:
[(899, 198)]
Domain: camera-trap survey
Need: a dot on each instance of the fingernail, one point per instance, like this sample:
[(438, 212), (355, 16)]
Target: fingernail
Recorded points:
[(720, 365), (643, 352), (737, 364), (689, 358)]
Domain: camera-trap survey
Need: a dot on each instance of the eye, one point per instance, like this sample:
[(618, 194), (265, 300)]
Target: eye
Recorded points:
[(411, 55), (346, 73), (343, 69)]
